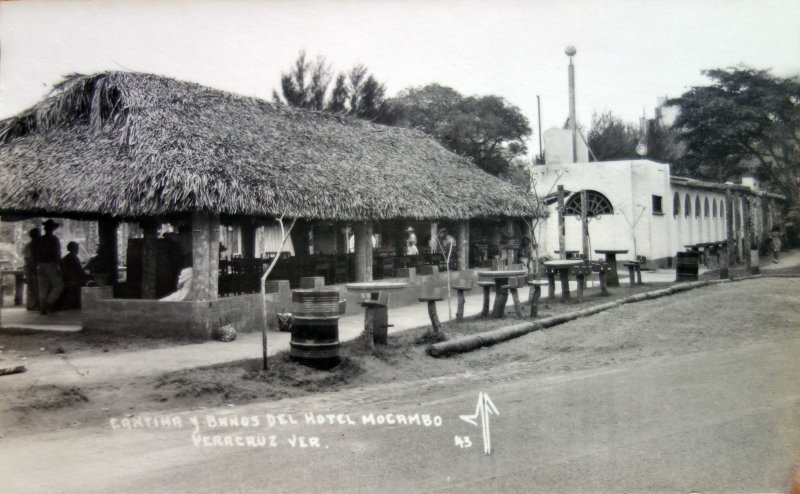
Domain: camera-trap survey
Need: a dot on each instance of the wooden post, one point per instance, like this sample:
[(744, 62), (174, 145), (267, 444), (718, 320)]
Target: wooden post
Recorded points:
[(107, 237), (723, 264), (149, 259), (562, 242), (585, 223), (463, 245), (205, 256), (551, 286), (248, 241), (731, 245), (487, 290), (363, 243), (564, 276)]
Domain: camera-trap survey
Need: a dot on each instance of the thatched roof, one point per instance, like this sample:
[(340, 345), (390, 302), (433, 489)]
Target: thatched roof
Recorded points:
[(130, 145)]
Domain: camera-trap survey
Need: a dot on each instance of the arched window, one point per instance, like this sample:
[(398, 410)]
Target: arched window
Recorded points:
[(687, 206), (598, 204), (714, 209), (676, 205), (705, 208), (696, 206)]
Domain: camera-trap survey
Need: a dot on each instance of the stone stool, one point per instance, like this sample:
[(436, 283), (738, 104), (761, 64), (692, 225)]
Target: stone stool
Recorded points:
[(487, 288), (551, 284), (535, 293), (460, 287), (634, 267), (376, 319), (602, 269), (580, 273), (431, 299), (513, 284)]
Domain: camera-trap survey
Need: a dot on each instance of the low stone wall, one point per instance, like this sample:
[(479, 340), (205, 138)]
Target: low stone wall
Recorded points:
[(197, 320), (194, 320)]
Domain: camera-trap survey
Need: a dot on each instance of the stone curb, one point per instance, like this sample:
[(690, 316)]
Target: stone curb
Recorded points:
[(499, 335)]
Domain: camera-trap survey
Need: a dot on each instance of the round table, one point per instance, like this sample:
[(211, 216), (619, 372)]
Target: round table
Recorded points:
[(501, 295), (612, 279), (375, 299), (562, 267)]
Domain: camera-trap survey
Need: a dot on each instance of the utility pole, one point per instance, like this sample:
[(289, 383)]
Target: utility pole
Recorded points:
[(573, 125), (539, 113)]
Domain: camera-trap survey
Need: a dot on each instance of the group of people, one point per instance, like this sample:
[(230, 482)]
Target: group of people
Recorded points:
[(54, 282)]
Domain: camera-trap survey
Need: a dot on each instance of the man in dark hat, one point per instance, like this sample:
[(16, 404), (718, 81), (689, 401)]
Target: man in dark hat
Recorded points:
[(48, 257)]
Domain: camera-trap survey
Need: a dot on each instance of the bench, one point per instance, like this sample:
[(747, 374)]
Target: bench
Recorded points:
[(535, 292), (460, 287), (487, 289), (513, 284), (431, 298), (634, 270)]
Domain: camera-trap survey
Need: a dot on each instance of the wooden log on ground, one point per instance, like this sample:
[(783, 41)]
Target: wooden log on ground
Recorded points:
[(6, 371)]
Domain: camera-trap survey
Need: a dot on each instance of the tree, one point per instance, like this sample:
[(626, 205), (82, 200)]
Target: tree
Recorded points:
[(744, 115), (664, 144), (487, 129), (612, 139), (357, 93), (306, 83)]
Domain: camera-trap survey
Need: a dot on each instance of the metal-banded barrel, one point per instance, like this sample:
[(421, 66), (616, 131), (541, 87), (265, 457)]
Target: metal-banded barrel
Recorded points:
[(315, 328), (687, 266)]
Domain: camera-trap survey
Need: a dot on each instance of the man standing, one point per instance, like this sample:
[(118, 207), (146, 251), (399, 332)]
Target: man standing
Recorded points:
[(47, 257), (31, 273)]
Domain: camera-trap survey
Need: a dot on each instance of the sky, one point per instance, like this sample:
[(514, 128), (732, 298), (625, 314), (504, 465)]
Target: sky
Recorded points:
[(629, 53)]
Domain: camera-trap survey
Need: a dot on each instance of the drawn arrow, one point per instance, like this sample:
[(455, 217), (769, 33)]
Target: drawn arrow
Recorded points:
[(484, 409)]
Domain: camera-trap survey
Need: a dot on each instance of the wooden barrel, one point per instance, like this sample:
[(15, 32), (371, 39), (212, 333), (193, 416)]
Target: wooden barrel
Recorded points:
[(315, 328), (687, 266)]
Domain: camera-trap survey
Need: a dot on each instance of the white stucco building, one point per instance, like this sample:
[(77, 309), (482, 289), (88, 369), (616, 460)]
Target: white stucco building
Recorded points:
[(639, 207)]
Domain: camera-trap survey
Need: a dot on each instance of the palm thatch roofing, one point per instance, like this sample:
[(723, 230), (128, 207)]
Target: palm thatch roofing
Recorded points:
[(130, 145)]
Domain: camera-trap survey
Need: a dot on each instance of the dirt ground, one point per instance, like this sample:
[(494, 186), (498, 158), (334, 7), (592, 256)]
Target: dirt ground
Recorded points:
[(628, 333)]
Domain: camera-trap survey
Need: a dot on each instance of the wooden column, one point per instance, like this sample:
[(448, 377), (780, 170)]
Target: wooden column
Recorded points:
[(562, 242), (149, 259), (363, 244), (205, 256), (729, 236), (107, 238), (463, 245)]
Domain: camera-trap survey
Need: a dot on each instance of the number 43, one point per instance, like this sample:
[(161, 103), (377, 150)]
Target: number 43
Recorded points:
[(463, 442)]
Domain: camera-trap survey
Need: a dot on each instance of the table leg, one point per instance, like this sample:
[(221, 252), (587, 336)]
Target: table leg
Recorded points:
[(487, 290), (563, 274), (612, 278), (551, 287), (500, 298)]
